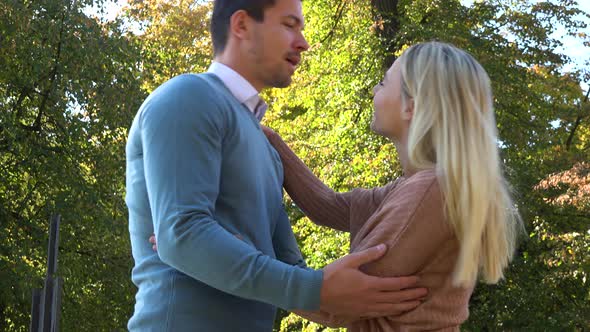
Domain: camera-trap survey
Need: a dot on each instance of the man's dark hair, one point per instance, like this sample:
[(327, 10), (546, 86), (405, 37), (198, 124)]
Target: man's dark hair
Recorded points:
[(222, 12)]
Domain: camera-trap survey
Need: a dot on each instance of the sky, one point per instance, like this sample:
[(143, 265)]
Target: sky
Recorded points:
[(572, 47)]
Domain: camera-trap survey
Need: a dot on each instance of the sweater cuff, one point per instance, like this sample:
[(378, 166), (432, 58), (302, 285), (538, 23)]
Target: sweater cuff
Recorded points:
[(307, 295)]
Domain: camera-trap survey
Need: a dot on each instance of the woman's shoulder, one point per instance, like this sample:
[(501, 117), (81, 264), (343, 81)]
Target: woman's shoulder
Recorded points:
[(421, 183), (424, 176)]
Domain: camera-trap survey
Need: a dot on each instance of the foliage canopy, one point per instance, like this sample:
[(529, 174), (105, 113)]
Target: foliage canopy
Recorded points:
[(71, 84)]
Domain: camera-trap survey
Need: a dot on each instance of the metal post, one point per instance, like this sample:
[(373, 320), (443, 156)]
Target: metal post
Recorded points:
[(35, 310), (56, 305), (53, 245), (46, 308)]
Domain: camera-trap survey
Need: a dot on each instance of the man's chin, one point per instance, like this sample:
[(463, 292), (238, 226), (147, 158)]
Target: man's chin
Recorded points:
[(282, 83)]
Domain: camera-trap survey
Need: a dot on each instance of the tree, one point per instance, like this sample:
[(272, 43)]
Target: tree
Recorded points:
[(71, 84), (174, 37), (324, 117), (68, 90)]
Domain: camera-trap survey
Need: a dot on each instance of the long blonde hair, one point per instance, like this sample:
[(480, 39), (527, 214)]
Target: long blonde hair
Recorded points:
[(453, 129)]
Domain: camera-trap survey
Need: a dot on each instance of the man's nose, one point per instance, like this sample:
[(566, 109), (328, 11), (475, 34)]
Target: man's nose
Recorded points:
[(301, 43)]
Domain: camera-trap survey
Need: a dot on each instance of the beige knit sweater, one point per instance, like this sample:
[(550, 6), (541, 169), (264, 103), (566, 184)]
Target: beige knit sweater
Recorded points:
[(407, 215)]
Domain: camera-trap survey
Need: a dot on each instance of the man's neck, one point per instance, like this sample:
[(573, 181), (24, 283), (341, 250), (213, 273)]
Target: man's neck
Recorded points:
[(233, 61)]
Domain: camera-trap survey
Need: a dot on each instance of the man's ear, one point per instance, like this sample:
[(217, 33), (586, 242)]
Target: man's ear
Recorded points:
[(408, 111), (240, 25)]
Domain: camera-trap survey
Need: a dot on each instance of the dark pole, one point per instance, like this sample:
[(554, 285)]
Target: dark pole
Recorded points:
[(46, 307), (53, 245), (35, 310)]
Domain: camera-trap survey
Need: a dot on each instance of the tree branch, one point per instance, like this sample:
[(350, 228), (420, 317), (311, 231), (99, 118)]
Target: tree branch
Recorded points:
[(337, 18), (386, 12), (16, 108), (53, 73), (570, 138)]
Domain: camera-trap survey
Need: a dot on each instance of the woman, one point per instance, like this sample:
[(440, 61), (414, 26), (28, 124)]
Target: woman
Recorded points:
[(449, 219)]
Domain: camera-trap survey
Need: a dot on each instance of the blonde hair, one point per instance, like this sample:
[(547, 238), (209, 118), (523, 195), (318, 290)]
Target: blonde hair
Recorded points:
[(453, 129)]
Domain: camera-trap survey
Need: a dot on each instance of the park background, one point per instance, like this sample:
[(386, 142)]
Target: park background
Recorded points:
[(74, 72)]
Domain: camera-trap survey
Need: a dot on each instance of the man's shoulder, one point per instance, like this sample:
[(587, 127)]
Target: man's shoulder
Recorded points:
[(186, 98), (186, 91), (190, 86)]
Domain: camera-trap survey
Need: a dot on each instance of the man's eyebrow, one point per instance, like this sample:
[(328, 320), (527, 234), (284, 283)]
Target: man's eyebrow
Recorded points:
[(297, 20)]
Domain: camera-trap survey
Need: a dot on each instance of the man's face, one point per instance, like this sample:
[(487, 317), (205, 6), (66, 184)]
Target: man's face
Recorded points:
[(277, 43)]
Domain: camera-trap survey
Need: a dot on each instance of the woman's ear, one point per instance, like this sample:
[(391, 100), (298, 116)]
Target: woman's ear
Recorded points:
[(408, 111)]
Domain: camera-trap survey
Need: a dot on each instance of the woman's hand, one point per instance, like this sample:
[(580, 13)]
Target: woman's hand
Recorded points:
[(153, 242), (269, 133)]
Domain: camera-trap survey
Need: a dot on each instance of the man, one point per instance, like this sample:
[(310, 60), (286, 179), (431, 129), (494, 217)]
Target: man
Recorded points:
[(202, 176)]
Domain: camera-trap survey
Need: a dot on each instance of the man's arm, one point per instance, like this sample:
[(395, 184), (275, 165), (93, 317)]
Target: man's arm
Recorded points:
[(182, 141)]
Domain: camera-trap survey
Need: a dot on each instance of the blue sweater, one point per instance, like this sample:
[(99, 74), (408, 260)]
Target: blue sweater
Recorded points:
[(202, 176)]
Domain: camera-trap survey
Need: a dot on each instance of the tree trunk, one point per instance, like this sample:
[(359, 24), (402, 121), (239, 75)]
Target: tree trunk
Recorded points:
[(386, 17)]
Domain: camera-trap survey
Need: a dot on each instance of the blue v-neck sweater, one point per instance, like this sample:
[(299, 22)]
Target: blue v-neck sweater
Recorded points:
[(202, 176)]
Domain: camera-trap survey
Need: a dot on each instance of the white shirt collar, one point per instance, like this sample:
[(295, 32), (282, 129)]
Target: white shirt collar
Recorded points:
[(244, 92)]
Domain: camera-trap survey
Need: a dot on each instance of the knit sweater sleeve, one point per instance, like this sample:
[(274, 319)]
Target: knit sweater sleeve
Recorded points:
[(421, 242), (320, 203), (411, 222), (364, 203)]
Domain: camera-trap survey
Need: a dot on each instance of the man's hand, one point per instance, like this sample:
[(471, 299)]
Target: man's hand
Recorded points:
[(348, 291)]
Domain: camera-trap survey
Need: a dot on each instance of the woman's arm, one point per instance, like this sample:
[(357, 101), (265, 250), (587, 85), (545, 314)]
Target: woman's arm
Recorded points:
[(325, 318), (412, 223), (320, 203)]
